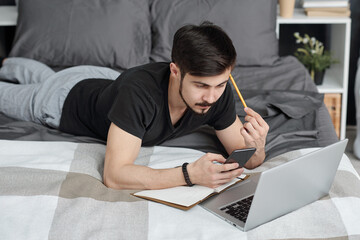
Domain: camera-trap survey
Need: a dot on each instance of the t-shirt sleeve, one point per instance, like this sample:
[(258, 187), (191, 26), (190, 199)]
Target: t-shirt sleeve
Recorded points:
[(224, 111), (132, 110)]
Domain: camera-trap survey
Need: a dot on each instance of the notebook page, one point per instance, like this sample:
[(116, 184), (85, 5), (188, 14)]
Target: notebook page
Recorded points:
[(182, 195)]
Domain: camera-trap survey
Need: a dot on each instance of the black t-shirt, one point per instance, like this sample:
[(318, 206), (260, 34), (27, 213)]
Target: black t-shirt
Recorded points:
[(137, 102)]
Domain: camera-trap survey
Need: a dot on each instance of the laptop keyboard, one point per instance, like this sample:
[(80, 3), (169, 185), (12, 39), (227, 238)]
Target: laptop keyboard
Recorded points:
[(239, 209)]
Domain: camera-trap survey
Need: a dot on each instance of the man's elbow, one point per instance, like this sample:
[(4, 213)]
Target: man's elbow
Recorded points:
[(110, 182)]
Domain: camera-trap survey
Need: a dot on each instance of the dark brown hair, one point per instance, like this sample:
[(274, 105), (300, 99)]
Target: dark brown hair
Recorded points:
[(204, 50)]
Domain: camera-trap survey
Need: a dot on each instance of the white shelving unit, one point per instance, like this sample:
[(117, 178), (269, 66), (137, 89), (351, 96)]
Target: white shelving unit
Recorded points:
[(336, 78)]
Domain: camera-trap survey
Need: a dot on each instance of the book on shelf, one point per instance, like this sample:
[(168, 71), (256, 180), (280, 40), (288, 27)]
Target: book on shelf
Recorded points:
[(324, 3), (184, 197), (329, 9), (328, 12), (314, 13)]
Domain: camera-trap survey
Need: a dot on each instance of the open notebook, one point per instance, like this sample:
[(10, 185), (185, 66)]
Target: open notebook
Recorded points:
[(184, 197)]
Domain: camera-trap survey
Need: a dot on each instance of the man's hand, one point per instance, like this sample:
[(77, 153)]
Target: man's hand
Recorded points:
[(206, 173), (254, 132)]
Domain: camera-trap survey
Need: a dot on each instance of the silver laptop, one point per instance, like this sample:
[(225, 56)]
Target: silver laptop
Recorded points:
[(280, 190)]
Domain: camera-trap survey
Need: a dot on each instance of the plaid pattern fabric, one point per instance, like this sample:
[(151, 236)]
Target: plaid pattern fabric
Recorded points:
[(54, 190)]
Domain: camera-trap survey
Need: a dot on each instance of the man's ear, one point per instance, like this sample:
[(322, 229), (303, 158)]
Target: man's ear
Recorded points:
[(175, 70)]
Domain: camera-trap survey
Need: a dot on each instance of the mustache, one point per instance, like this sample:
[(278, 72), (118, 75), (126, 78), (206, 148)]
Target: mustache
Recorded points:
[(205, 104)]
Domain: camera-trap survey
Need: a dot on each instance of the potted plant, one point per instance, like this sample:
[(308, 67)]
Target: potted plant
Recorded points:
[(313, 56)]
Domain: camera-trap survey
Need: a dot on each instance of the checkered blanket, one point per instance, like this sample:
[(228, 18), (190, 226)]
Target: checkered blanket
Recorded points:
[(54, 190)]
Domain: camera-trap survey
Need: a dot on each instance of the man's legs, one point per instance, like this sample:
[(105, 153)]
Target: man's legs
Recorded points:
[(24, 71), (55, 90), (17, 100), (42, 101)]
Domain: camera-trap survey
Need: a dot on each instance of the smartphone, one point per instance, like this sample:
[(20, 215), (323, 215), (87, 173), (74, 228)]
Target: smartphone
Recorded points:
[(240, 156)]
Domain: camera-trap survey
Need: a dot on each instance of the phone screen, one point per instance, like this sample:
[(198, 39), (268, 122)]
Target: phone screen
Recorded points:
[(240, 156)]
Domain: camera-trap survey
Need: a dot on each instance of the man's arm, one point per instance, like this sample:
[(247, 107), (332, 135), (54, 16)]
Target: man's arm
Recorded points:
[(120, 172), (250, 134)]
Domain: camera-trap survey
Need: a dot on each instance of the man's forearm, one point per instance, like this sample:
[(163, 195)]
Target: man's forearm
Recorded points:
[(142, 177)]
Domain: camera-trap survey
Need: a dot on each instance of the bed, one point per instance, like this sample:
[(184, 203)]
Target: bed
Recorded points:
[(51, 182)]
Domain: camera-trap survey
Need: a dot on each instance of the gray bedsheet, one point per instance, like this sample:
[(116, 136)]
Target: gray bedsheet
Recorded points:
[(284, 94)]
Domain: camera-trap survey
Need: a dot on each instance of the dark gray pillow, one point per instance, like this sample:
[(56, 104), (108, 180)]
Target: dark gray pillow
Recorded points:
[(249, 23), (63, 33)]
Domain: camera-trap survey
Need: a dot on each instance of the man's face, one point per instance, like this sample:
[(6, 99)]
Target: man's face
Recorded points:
[(200, 93)]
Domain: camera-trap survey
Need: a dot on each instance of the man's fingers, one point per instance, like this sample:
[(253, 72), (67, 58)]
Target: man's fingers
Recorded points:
[(255, 125), (214, 175), (226, 177), (227, 167), (221, 160), (246, 135), (257, 116), (253, 122), (251, 112), (250, 129), (232, 174), (214, 157)]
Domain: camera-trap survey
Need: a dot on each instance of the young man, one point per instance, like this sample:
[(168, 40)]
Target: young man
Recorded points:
[(145, 106)]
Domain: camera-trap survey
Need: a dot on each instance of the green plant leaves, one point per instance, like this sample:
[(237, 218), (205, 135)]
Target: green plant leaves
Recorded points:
[(312, 53)]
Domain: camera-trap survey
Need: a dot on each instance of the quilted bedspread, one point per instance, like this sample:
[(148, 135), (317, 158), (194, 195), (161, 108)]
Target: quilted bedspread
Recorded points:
[(54, 190)]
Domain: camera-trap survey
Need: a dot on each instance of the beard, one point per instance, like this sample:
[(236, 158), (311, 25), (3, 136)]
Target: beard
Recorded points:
[(202, 104)]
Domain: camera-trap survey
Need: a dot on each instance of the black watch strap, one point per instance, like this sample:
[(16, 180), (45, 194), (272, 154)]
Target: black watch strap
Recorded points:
[(186, 175)]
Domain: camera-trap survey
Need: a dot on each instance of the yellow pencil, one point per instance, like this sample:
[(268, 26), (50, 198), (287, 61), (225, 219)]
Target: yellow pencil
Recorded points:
[(237, 90)]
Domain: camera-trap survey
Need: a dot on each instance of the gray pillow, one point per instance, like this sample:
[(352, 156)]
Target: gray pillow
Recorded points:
[(249, 23), (63, 33)]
